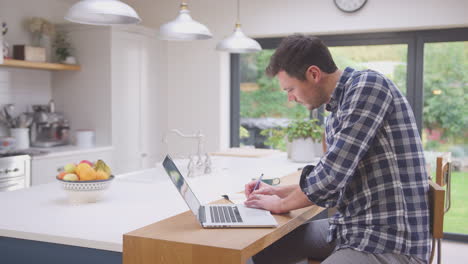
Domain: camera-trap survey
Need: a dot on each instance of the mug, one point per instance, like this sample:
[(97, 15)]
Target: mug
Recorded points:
[(85, 138), (274, 181), (21, 136)]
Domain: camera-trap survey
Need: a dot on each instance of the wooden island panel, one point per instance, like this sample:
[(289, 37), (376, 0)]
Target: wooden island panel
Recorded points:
[(180, 239)]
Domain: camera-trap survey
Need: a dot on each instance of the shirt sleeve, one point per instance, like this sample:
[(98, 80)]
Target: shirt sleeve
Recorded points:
[(366, 103)]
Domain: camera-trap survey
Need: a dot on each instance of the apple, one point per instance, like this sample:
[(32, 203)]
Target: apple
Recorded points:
[(88, 162), (71, 177), (69, 168), (60, 176)]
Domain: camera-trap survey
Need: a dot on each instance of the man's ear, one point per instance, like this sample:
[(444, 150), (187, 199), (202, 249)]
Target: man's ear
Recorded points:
[(313, 73)]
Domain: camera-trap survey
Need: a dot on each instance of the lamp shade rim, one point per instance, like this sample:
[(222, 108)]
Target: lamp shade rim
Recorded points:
[(238, 42), (102, 12), (184, 28)]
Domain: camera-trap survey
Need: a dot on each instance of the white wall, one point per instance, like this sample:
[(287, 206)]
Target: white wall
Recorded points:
[(197, 87)]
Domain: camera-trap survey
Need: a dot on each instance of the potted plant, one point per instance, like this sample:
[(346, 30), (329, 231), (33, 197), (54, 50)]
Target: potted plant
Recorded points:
[(62, 47), (303, 139)]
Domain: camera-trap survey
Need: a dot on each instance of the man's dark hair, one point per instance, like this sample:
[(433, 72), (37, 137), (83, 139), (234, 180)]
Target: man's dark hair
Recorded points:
[(296, 53)]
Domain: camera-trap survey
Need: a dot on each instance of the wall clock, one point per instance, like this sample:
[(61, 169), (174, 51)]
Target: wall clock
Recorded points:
[(349, 6)]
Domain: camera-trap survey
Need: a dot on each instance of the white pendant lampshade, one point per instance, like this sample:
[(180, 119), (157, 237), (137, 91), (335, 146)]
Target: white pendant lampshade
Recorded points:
[(238, 42), (102, 12), (184, 27)]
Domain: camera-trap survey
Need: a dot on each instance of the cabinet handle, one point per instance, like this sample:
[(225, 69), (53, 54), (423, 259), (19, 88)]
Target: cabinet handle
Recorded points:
[(143, 155)]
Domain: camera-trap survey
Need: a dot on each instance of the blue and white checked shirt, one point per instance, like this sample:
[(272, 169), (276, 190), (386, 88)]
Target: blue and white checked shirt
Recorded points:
[(374, 169)]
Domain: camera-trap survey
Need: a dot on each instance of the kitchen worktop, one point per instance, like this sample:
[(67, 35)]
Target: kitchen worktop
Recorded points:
[(43, 213)]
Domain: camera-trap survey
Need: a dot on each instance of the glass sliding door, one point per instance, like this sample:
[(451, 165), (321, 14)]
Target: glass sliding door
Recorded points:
[(391, 60), (445, 120), (264, 106)]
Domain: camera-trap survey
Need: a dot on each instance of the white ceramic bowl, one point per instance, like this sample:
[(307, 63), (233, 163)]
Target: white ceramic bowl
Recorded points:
[(85, 191)]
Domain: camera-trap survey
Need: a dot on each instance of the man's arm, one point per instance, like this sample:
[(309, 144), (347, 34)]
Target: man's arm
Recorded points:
[(294, 200)]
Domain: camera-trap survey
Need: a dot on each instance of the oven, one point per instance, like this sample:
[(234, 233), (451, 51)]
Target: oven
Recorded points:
[(15, 171)]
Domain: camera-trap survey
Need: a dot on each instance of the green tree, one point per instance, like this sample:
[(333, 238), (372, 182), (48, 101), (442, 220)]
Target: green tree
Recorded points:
[(446, 88), (268, 100)]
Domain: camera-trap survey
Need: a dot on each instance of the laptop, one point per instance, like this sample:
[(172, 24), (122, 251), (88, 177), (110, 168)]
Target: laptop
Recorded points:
[(217, 215)]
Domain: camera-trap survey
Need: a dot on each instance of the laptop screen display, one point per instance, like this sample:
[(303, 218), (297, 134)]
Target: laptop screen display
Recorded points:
[(181, 185)]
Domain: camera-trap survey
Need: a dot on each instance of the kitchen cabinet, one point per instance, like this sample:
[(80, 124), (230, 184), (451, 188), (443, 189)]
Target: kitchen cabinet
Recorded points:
[(45, 168), (116, 91), (133, 100)]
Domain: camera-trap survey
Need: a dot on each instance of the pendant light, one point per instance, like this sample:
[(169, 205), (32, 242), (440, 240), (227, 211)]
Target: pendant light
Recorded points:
[(102, 12), (238, 42), (184, 27)]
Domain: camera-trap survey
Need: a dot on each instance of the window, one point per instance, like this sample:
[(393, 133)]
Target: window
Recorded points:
[(391, 60), (445, 120), (264, 105)]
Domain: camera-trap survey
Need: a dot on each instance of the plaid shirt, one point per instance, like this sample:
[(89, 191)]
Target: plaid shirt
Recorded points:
[(373, 171)]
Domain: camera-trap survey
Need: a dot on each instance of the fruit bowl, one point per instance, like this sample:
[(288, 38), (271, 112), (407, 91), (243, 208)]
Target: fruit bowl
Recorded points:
[(85, 191)]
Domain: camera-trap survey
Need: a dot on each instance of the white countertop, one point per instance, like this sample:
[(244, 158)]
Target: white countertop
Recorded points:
[(134, 200)]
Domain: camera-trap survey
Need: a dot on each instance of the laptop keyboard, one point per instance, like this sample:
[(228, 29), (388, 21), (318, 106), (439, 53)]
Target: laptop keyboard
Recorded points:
[(225, 214)]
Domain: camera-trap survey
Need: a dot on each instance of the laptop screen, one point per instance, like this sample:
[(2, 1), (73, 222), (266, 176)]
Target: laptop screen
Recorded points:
[(181, 185)]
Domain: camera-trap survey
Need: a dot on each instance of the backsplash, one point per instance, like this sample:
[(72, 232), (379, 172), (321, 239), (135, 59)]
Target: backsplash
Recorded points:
[(23, 88)]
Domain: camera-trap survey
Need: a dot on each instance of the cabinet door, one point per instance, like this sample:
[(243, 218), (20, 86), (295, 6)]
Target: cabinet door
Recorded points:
[(44, 170), (127, 53), (149, 118)]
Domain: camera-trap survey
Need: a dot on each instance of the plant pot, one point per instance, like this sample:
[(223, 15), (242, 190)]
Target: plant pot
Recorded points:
[(304, 150)]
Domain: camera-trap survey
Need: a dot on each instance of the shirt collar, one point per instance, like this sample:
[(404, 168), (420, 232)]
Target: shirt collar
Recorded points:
[(338, 92)]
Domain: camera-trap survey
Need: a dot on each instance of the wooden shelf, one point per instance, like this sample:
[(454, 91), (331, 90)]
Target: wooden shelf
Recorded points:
[(40, 65)]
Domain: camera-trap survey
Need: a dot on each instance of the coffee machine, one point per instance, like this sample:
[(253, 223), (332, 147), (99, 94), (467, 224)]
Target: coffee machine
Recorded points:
[(49, 128)]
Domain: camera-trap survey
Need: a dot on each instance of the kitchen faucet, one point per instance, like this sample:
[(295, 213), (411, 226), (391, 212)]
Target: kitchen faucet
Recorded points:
[(200, 164)]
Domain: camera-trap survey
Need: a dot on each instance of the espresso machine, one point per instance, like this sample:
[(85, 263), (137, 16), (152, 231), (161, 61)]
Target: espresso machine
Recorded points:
[(49, 128)]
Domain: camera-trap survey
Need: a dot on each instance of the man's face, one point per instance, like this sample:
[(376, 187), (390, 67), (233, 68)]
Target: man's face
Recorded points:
[(305, 92)]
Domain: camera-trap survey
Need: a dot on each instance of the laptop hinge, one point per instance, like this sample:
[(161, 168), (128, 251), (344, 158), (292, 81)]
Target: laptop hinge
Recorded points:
[(201, 214)]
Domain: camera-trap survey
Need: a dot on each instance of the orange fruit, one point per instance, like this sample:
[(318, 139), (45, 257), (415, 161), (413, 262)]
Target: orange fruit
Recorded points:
[(101, 175), (85, 172)]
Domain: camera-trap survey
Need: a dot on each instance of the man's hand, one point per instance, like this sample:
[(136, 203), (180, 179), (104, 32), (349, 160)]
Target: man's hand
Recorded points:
[(277, 200), (272, 203), (263, 188)]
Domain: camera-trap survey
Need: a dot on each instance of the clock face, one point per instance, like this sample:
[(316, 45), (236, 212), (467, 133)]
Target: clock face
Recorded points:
[(350, 5)]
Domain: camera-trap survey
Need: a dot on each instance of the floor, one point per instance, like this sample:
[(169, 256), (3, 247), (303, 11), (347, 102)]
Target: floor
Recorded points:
[(453, 252)]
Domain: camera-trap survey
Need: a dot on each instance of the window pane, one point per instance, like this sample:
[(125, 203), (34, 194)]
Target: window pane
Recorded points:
[(263, 104), (445, 120), (387, 59)]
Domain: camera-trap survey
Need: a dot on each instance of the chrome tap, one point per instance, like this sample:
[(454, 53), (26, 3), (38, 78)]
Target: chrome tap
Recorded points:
[(200, 166)]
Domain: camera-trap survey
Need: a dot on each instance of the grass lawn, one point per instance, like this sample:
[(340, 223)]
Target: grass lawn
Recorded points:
[(456, 220)]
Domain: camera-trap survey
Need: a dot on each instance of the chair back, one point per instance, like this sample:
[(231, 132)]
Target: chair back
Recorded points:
[(443, 176), (439, 202), (437, 209)]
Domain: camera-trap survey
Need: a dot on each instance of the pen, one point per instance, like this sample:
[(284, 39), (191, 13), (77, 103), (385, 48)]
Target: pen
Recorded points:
[(258, 182)]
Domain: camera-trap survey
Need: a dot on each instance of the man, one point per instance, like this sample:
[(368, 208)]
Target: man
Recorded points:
[(373, 171)]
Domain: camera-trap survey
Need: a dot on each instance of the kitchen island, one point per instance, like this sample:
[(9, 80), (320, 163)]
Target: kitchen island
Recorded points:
[(39, 225)]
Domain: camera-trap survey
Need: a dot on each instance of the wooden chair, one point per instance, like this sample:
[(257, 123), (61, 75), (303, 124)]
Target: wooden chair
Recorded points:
[(443, 176), (439, 200)]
